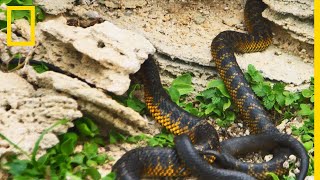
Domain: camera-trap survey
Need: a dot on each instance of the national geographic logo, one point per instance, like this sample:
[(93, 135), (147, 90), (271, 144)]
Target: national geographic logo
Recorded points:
[(32, 25)]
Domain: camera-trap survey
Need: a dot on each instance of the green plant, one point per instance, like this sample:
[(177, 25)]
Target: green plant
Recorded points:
[(39, 14), (62, 161), (163, 139), (214, 101), (130, 100)]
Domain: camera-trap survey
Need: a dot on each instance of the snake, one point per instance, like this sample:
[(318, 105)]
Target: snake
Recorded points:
[(179, 122)]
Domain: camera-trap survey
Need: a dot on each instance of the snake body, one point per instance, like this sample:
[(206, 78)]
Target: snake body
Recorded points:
[(179, 122), (223, 47)]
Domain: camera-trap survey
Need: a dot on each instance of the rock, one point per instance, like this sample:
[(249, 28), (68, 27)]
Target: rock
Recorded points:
[(300, 29), (25, 113), (301, 8), (267, 158), (92, 101), (55, 7), (125, 3), (199, 19), (23, 27), (102, 54)]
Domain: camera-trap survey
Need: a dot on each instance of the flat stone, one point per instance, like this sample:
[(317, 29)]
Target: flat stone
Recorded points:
[(102, 54), (25, 113), (93, 102)]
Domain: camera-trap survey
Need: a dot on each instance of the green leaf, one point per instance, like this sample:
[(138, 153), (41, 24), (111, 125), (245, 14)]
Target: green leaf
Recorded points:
[(77, 159), (183, 79), (306, 137), (209, 109), (307, 93), (87, 127), (308, 145), (174, 94), (101, 158), (280, 98), (40, 68), (273, 175), (136, 104), (93, 173), (17, 167), (36, 146), (226, 105), (218, 83), (110, 176), (68, 143), (278, 87), (305, 110), (90, 149), (268, 103), (115, 137)]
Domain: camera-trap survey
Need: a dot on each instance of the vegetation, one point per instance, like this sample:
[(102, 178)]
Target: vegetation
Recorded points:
[(20, 14), (63, 160)]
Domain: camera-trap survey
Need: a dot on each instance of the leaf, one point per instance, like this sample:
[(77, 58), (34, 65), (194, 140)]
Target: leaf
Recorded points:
[(183, 88), (305, 110), (93, 173), (17, 167), (218, 83), (308, 145), (110, 176), (278, 87), (280, 98), (209, 109), (307, 93), (40, 68), (273, 175), (174, 94), (115, 137), (306, 137), (90, 149), (101, 158), (77, 159), (268, 103), (226, 105), (183, 79), (68, 143), (136, 104), (36, 146)]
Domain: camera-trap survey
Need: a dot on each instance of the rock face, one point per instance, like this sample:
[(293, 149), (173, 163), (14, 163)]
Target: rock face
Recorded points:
[(103, 54), (25, 113), (55, 7), (93, 102), (293, 15), (125, 3)]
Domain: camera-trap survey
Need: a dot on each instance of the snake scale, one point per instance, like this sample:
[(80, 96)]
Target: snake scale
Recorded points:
[(185, 159)]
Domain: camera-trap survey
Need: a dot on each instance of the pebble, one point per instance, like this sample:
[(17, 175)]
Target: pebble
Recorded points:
[(278, 53), (199, 19), (93, 14), (286, 164), (128, 12), (268, 157), (292, 158), (296, 171)]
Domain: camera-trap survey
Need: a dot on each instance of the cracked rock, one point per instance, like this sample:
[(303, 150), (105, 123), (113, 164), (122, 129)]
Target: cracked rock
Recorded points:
[(295, 16), (55, 7), (93, 102), (102, 54), (25, 113)]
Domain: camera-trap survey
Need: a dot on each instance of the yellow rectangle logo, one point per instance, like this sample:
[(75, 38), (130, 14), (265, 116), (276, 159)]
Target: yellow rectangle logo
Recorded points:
[(32, 10)]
